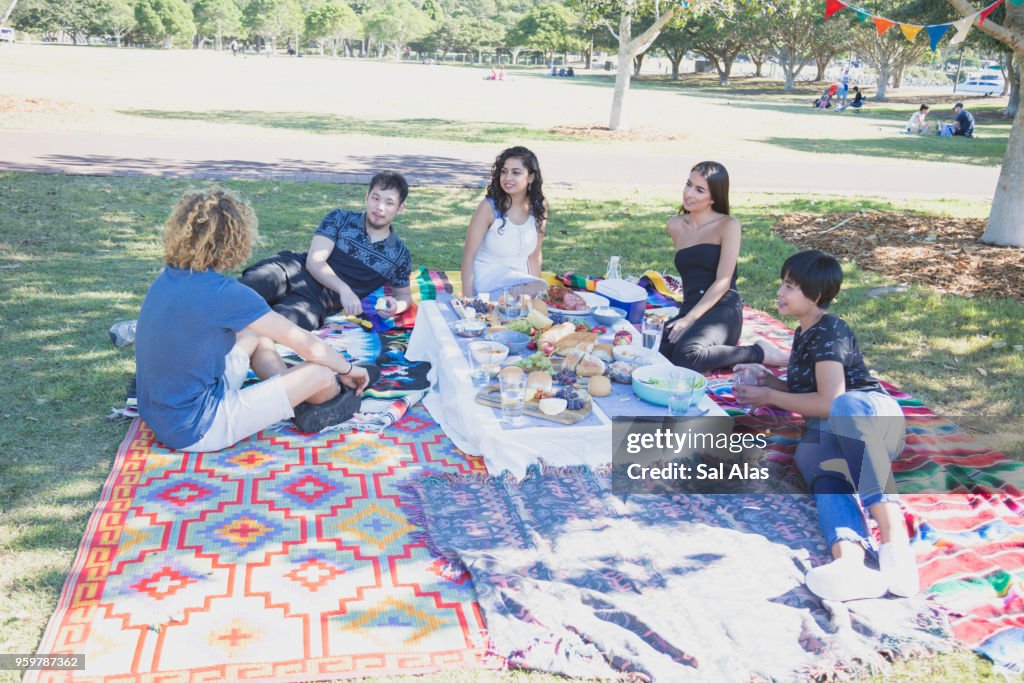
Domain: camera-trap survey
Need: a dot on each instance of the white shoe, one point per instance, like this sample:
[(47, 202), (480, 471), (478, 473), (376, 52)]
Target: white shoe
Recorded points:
[(842, 580), (897, 564)]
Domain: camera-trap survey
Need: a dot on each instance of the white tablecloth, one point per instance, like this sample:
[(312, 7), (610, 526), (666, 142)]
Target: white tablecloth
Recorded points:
[(478, 430)]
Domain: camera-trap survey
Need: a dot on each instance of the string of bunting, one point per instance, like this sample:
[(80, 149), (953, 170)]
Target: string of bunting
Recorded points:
[(910, 31)]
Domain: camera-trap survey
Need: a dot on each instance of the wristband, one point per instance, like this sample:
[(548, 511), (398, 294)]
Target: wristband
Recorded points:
[(349, 371)]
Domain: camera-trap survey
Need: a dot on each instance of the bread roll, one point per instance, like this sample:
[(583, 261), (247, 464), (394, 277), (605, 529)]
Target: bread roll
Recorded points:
[(583, 340), (590, 366), (604, 352), (554, 334), (572, 359), (599, 385)]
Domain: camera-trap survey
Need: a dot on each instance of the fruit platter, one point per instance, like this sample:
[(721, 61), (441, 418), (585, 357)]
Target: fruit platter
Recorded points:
[(562, 397)]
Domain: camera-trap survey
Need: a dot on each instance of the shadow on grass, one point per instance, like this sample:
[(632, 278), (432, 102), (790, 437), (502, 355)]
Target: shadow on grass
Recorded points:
[(977, 151), (332, 124)]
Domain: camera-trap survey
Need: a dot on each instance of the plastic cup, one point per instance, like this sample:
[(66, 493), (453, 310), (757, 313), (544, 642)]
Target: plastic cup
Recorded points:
[(652, 329), (682, 392), (513, 398)]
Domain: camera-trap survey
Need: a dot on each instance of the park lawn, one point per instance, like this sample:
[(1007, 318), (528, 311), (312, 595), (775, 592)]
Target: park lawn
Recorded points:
[(78, 253)]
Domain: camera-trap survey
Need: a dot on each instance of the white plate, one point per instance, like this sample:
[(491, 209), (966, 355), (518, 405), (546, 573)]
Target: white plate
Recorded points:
[(634, 353), (593, 301)]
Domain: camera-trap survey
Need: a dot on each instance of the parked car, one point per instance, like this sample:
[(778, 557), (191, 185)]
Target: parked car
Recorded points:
[(982, 84), (6, 34)]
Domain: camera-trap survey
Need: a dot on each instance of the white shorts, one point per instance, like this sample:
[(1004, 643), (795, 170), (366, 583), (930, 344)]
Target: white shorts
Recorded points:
[(243, 412)]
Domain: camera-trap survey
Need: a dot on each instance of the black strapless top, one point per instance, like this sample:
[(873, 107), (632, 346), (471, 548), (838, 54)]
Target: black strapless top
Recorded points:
[(698, 267)]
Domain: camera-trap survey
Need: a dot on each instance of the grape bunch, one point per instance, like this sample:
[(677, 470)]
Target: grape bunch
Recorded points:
[(556, 318), (574, 400), (566, 377), (481, 307)]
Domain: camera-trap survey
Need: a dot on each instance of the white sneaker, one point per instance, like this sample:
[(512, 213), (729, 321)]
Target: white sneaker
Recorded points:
[(842, 580), (897, 564)]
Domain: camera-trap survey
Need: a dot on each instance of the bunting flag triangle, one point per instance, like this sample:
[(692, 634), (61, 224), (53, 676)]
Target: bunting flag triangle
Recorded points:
[(864, 16), (833, 6), (1016, 2), (882, 25), (962, 26), (935, 34), (989, 10), (910, 31)]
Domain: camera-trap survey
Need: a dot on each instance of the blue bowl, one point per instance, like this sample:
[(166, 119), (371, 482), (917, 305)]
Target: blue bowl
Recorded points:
[(515, 341), (607, 318), (651, 382)]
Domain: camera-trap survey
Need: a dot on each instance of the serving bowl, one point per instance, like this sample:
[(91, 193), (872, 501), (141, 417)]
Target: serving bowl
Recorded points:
[(470, 328), (515, 341), (634, 353), (651, 383), (608, 315), (488, 352)]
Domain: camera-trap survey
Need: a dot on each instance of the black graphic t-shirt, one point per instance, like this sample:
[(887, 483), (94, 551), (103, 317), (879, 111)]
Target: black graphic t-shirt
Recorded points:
[(828, 339), (362, 264)]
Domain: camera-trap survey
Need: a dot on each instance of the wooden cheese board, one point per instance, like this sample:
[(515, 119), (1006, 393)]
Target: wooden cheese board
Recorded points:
[(491, 396)]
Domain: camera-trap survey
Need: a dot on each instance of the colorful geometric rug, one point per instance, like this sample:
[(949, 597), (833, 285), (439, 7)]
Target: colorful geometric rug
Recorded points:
[(286, 557)]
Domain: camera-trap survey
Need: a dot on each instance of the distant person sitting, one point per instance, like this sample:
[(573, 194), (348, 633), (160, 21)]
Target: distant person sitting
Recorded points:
[(493, 76), (554, 71), (917, 123), (501, 72), (857, 102), (570, 73), (561, 72), (964, 123)]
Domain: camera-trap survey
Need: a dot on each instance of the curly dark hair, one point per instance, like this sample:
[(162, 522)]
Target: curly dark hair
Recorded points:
[(534, 191)]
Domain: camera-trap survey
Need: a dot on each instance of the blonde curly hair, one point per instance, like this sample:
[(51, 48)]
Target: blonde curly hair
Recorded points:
[(209, 230)]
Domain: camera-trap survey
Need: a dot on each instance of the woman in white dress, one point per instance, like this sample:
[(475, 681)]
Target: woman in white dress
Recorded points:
[(503, 242)]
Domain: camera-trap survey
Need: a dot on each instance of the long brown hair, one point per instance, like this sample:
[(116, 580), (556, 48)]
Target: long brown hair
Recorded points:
[(718, 185)]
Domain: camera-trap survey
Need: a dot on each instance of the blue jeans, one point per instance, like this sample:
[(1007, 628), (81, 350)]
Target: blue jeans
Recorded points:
[(851, 451)]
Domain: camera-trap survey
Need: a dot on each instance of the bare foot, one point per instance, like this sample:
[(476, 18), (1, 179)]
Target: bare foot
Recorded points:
[(773, 355)]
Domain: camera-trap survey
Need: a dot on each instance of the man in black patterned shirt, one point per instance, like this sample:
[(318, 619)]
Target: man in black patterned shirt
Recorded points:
[(351, 255)]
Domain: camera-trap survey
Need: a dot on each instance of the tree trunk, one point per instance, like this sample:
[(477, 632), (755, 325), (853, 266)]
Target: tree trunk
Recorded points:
[(758, 63), (1006, 219), (819, 75), (897, 78), (724, 70), (676, 61), (790, 75), (638, 62), (1015, 81), (7, 14), (882, 83), (622, 74)]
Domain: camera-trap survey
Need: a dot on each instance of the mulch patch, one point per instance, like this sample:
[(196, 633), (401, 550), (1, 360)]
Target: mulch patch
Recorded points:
[(937, 251), (640, 133), (36, 105)]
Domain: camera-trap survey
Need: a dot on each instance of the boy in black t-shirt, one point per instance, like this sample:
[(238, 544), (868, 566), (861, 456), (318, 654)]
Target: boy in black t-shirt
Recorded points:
[(854, 432)]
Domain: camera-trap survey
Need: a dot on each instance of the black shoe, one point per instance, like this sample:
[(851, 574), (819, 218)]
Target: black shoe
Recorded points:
[(314, 417)]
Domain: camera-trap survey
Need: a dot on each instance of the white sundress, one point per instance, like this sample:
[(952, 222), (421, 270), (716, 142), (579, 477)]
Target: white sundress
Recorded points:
[(503, 258)]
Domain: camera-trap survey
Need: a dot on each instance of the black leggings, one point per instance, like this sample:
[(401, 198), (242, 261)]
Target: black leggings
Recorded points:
[(286, 285), (710, 343)]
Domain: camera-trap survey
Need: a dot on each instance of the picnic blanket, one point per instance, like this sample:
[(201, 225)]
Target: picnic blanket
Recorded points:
[(573, 579), (969, 545), (286, 557)]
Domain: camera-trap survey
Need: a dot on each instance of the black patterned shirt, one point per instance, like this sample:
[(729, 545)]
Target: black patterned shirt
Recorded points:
[(364, 265), (828, 339)]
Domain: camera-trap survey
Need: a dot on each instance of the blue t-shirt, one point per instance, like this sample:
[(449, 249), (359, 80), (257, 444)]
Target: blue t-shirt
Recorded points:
[(186, 327)]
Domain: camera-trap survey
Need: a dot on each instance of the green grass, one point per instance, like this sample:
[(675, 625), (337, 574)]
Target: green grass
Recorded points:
[(332, 124), (77, 253)]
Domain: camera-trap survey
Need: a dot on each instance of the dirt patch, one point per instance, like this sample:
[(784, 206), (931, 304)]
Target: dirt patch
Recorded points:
[(937, 251), (641, 134), (37, 105)]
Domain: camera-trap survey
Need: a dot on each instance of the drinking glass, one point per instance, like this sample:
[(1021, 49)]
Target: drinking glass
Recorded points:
[(478, 374), (682, 390), (652, 329), (746, 376), (513, 398), (512, 303)]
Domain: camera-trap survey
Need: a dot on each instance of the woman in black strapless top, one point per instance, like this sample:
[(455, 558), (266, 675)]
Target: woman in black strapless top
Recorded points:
[(703, 335)]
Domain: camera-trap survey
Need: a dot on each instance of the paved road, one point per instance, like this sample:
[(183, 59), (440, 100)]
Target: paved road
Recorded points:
[(330, 159)]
